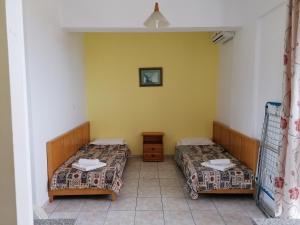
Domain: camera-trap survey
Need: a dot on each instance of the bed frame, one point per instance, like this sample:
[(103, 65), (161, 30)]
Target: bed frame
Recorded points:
[(60, 150), (241, 147)]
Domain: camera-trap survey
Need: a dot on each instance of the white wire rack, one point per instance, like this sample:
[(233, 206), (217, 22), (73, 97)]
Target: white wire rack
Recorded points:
[(268, 159)]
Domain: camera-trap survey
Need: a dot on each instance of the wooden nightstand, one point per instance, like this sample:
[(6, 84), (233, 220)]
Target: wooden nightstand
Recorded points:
[(153, 150)]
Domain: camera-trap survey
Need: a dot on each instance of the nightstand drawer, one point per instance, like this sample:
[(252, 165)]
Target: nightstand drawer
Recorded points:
[(152, 148), (152, 156)]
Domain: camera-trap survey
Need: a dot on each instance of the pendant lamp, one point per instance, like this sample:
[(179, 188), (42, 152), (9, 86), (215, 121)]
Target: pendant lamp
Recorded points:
[(156, 19)]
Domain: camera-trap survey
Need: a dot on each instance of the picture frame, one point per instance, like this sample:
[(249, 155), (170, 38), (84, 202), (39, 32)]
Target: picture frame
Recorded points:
[(151, 76)]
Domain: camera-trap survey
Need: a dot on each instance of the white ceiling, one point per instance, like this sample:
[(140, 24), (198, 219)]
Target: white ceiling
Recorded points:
[(129, 15)]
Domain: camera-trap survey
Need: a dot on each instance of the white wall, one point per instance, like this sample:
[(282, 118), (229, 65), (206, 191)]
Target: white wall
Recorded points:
[(19, 111), (256, 70), (15, 173), (269, 66), (224, 89), (56, 83), (120, 15)]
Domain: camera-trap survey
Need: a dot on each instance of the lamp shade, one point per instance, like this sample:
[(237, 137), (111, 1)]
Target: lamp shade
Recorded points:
[(156, 19)]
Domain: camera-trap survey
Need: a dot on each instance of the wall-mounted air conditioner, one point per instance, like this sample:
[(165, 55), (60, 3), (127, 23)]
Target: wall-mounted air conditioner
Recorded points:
[(222, 37)]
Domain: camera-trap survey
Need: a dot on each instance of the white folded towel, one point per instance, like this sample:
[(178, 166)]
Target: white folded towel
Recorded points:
[(221, 167), (219, 161), (84, 167), (90, 162)]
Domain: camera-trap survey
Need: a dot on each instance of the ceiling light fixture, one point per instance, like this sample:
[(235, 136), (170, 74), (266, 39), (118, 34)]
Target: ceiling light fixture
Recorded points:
[(156, 19)]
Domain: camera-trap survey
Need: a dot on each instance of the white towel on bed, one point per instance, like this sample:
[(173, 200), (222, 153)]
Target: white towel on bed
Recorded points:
[(221, 167), (219, 161), (90, 162), (85, 167)]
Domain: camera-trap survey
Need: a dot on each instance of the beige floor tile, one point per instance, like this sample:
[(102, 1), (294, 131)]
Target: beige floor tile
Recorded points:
[(95, 205), (227, 204), (175, 204), (149, 204), (169, 182), (172, 191), (256, 213), (236, 218), (132, 182), (207, 218), (165, 164), (134, 161), (126, 203), (236, 210), (49, 207), (128, 191), (120, 218), (132, 166), (148, 164), (148, 182), (64, 215), (131, 174), (69, 205), (166, 167), (202, 203), (149, 168), (149, 218), (178, 218), (91, 218), (167, 174), (145, 191), (149, 174), (247, 203)]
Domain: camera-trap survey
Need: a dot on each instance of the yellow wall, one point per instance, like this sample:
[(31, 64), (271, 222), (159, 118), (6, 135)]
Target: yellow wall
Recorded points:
[(117, 107)]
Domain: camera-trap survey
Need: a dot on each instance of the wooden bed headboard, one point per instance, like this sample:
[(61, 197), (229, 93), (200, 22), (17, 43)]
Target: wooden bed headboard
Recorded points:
[(64, 146), (239, 145)]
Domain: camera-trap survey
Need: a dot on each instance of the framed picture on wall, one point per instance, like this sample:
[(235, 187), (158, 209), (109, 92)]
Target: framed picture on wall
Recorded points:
[(150, 77)]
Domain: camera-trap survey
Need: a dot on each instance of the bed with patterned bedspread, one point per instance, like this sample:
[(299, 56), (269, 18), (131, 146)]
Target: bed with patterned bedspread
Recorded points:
[(201, 179), (108, 177)]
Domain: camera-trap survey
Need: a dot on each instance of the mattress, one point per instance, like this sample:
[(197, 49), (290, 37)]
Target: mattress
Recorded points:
[(108, 177), (200, 178)]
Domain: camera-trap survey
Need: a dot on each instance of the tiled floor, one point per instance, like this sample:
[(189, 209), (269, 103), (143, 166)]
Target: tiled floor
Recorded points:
[(153, 194)]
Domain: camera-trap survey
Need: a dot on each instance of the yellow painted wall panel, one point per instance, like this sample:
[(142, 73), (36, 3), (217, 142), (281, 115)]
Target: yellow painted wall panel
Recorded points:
[(184, 106)]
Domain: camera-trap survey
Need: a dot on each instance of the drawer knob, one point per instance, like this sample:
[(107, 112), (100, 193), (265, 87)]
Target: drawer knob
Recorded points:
[(153, 148)]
